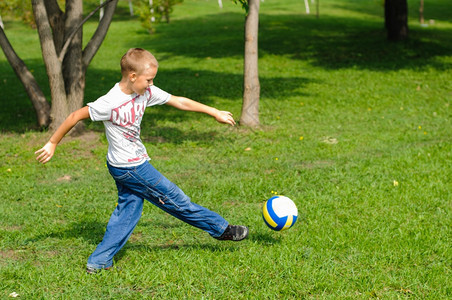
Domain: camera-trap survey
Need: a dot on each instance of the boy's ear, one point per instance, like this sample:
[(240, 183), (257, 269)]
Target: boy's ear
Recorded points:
[(132, 76)]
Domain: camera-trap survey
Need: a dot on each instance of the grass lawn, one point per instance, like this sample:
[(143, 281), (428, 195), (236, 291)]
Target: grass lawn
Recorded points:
[(356, 130)]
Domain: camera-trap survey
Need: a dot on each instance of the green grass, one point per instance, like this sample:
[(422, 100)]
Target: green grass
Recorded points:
[(356, 130)]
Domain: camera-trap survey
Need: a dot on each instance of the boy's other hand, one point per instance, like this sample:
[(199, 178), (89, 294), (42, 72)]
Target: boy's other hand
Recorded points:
[(225, 117), (46, 152)]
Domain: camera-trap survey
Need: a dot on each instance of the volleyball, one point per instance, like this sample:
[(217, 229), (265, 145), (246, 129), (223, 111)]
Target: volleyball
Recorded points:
[(279, 213)]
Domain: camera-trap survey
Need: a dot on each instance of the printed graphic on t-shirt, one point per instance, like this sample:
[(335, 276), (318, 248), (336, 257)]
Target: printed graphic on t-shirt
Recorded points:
[(128, 113), (128, 116), (122, 115)]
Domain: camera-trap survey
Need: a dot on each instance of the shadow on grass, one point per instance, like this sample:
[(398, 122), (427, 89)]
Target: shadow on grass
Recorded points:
[(266, 238), (216, 247), (18, 114), (93, 231), (437, 9), (203, 87), (90, 231), (330, 42)]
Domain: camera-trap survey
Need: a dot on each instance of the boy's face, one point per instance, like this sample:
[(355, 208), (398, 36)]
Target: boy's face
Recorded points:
[(140, 81)]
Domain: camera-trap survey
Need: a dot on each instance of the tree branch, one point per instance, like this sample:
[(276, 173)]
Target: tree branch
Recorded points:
[(99, 36), (40, 104), (56, 19), (73, 33), (53, 11)]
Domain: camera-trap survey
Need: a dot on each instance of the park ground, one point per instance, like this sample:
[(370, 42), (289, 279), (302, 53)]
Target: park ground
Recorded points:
[(356, 130)]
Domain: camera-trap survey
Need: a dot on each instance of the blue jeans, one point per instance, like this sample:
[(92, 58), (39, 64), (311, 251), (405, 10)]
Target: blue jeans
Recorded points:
[(144, 182)]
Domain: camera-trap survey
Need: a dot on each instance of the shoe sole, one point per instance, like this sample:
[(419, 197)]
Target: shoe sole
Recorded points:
[(242, 238), (95, 271)]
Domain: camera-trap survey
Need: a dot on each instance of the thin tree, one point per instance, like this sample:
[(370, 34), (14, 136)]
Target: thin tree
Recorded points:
[(251, 85), (65, 59), (421, 12), (317, 6), (396, 19)]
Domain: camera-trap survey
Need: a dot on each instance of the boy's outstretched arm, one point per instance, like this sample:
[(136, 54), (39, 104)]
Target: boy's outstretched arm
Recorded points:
[(183, 103), (46, 152)]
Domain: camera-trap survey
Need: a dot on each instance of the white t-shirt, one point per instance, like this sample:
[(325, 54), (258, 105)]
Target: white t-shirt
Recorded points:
[(122, 115)]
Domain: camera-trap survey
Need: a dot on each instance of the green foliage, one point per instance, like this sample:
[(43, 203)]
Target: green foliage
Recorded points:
[(244, 4), (356, 131), (19, 9), (158, 12), (22, 9)]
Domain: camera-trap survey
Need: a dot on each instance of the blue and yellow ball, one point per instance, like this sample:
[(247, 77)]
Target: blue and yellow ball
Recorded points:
[(280, 213)]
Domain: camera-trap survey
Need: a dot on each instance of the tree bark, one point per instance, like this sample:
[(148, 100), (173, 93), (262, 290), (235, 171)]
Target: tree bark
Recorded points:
[(56, 19), (251, 86), (73, 70), (37, 97), (59, 110), (421, 12), (396, 19), (99, 36), (66, 63)]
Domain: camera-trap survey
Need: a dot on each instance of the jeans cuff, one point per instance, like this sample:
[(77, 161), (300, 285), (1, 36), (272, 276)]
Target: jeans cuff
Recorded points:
[(222, 230)]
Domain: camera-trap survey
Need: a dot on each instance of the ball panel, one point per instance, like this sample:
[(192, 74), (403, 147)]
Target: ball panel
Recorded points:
[(283, 206), (268, 218), (281, 223), (294, 220), (270, 226), (289, 222)]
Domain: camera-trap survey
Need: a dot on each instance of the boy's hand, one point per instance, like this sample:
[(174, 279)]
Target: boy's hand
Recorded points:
[(225, 117), (46, 152)]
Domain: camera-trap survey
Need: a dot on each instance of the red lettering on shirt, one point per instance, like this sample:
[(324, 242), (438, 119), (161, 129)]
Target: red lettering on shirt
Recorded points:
[(138, 158), (128, 113)]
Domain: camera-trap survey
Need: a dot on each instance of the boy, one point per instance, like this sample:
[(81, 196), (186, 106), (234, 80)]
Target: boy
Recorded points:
[(121, 111)]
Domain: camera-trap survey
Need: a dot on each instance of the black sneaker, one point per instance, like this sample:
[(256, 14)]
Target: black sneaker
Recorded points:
[(234, 233), (91, 270)]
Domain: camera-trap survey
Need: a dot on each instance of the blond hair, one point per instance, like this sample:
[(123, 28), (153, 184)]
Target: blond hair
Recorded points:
[(137, 60)]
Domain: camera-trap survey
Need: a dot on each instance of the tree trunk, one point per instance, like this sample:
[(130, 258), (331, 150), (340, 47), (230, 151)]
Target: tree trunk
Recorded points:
[(317, 6), (56, 19), (73, 70), (131, 8), (66, 71), (421, 12), (396, 19), (251, 86), (66, 63), (59, 110), (40, 104)]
